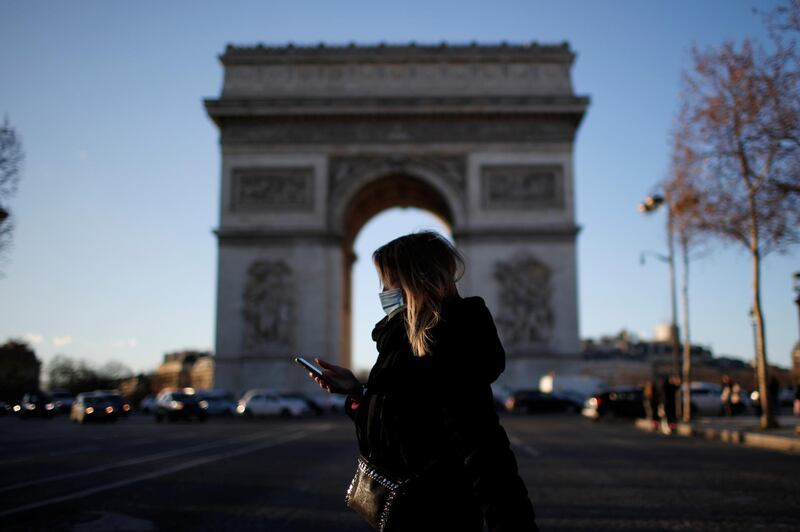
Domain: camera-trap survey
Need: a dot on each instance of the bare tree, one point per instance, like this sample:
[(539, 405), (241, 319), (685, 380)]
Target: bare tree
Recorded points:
[(682, 199), (739, 120), (11, 157), (79, 376)]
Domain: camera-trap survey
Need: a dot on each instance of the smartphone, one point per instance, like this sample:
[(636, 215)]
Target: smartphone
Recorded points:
[(313, 368)]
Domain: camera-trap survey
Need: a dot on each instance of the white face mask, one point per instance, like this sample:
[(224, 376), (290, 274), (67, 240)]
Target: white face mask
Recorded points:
[(391, 300)]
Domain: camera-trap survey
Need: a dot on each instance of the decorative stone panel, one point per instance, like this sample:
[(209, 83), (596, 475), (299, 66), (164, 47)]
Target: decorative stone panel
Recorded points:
[(525, 314), (507, 187), (273, 188), (267, 306)]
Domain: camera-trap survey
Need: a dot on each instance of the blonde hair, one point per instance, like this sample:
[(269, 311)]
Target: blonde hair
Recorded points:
[(426, 267)]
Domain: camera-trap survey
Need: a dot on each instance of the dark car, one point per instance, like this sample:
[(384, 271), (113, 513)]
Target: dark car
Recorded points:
[(174, 405), (63, 400), (92, 407), (35, 404), (535, 402), (121, 405), (623, 402), (218, 402)]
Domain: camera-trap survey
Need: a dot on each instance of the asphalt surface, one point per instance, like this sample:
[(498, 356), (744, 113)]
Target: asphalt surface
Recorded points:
[(291, 475)]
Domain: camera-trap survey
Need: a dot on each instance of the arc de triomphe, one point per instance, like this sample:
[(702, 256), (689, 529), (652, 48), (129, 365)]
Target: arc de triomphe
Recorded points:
[(317, 140)]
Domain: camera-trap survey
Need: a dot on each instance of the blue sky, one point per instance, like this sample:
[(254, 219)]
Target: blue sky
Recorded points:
[(113, 255)]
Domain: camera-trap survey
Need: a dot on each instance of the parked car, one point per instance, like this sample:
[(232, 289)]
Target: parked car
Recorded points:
[(121, 405), (63, 400), (786, 397), (500, 393), (92, 407), (535, 401), (622, 402), (35, 404), (220, 402), (148, 404), (706, 398), (269, 403), (180, 404), (317, 405), (318, 402)]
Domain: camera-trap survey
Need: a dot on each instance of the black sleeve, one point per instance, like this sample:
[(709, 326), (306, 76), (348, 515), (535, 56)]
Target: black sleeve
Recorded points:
[(350, 407), (482, 443), (470, 357)]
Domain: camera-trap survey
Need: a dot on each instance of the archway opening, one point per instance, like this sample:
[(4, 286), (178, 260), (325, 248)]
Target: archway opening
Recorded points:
[(381, 211)]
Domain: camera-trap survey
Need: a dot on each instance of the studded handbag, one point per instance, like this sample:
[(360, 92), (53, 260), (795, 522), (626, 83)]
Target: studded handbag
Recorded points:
[(373, 493)]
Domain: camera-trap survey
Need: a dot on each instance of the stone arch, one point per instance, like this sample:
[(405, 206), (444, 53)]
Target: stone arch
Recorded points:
[(367, 196), (436, 185)]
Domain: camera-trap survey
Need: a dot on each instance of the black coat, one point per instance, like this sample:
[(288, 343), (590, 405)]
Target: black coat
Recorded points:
[(434, 416)]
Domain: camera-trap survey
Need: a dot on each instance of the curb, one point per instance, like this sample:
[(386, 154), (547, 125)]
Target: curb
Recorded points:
[(739, 437)]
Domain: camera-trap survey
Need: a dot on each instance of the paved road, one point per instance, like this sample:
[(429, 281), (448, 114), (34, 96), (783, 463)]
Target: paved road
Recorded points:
[(283, 476)]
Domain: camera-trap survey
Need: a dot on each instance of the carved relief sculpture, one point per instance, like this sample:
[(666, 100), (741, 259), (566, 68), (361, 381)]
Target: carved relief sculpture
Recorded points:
[(526, 315), (267, 305), (521, 187), (273, 188)]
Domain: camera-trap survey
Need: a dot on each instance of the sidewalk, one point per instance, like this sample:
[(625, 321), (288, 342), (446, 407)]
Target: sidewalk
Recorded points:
[(742, 430)]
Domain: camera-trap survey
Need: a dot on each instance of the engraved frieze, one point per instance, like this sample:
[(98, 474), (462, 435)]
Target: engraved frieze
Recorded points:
[(267, 306), (418, 130), (515, 187), (525, 315), (273, 188)]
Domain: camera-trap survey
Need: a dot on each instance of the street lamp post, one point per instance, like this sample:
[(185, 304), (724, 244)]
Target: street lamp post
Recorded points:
[(755, 348), (649, 205)]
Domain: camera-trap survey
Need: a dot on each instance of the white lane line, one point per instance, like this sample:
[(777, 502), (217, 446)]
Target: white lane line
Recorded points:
[(135, 461), (527, 449), (168, 471)]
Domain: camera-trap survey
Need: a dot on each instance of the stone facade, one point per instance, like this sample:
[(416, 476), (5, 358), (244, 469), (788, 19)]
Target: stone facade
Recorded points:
[(317, 140)]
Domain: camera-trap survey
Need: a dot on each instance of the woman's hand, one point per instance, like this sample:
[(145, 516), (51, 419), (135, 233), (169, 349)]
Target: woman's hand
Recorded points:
[(337, 379)]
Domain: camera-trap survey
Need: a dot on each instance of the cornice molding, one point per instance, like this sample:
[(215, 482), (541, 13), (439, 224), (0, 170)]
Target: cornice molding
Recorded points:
[(396, 53), (265, 107)]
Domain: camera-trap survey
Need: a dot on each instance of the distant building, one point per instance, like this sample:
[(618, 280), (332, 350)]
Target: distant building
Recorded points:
[(625, 346), (183, 369), (136, 388)]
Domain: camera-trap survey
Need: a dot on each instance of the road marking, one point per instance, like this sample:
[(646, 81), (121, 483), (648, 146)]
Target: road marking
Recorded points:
[(168, 471), (135, 461), (527, 449)]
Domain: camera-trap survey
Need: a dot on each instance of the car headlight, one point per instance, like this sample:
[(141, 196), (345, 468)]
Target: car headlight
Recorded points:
[(89, 410), (177, 405), (240, 409), (109, 409), (49, 406), (17, 408), (126, 407), (30, 407), (203, 404)]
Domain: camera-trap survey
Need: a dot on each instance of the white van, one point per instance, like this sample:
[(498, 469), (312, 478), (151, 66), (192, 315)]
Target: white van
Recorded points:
[(269, 403)]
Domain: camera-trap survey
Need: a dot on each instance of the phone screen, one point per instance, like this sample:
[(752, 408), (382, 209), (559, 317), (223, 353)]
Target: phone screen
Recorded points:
[(313, 368)]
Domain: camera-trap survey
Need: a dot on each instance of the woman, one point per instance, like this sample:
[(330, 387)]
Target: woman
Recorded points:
[(427, 408)]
